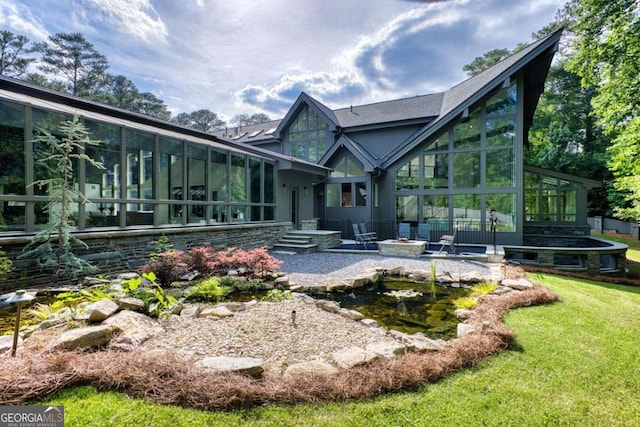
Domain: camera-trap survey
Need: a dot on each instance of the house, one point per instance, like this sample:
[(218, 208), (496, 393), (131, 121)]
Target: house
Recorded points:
[(453, 159)]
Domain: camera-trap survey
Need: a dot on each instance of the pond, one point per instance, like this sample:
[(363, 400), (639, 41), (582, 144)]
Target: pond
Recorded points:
[(407, 306)]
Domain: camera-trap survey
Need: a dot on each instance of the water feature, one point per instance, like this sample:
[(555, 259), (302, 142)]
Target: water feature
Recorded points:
[(407, 306)]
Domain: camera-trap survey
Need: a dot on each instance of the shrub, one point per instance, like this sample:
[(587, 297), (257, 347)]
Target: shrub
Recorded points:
[(484, 288), (204, 260), (168, 267), (276, 295), (5, 265), (155, 300), (467, 302), (255, 263), (162, 245), (208, 290)]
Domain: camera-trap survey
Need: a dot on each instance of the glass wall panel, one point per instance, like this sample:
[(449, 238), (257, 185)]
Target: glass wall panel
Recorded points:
[(103, 183), (139, 175), (255, 212), (353, 169), (218, 176), (269, 213), (466, 133), (406, 208), (466, 169), (346, 196), (504, 206), (436, 170), (333, 195), (361, 194), (255, 181), (501, 131), (308, 135), (439, 144), (407, 176), (238, 178), (196, 179), (435, 207), (467, 212), (171, 180), (12, 161), (219, 213), (501, 168), (269, 183)]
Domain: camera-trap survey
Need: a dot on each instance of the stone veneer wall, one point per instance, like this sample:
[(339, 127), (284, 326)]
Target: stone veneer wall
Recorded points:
[(125, 250)]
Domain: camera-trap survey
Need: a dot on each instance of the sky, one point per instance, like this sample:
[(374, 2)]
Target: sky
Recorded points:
[(252, 56)]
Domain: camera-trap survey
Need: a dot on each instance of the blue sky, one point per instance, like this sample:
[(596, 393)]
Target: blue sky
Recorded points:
[(250, 56)]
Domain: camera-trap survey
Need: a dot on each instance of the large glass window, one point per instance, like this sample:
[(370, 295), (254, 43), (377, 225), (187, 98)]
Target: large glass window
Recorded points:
[(435, 208), (218, 176), (407, 208), (238, 178), (103, 183), (466, 133), (466, 169), (407, 177), (467, 211), (504, 207), (501, 168), (139, 176), (196, 173), (436, 170), (12, 161), (501, 118), (308, 135), (549, 199), (171, 180), (269, 183)]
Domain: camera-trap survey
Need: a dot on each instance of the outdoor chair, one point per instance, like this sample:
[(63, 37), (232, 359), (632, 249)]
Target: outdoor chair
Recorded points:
[(361, 239), (448, 240), (423, 233), (364, 231), (404, 230)]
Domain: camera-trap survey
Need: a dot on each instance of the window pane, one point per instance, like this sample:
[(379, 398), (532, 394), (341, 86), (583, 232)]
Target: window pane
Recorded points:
[(466, 133), (503, 102), (466, 211), (269, 183), (406, 208), (440, 144), (436, 171), (466, 170), (532, 205), (254, 180), (361, 194), (501, 131), (307, 136), (333, 195), (505, 211), (407, 175), (218, 176), (238, 179), (103, 183), (501, 170), (346, 198), (340, 170), (568, 205), (12, 161), (435, 207), (353, 169)]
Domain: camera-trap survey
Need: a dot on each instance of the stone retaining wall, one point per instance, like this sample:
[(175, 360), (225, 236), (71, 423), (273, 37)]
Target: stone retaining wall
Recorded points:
[(124, 250)]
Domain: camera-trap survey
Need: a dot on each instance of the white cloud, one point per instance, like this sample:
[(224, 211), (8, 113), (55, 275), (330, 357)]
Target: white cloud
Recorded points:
[(18, 19), (135, 17)]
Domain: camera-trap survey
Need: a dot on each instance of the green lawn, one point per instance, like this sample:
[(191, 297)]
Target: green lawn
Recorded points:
[(575, 362)]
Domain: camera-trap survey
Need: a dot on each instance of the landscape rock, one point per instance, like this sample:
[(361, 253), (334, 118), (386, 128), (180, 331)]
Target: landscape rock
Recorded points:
[(132, 329), (88, 337), (100, 310), (353, 356), (314, 367), (520, 284), (326, 305), (217, 311), (464, 329), (128, 303), (190, 311), (387, 349), (463, 313), (234, 306), (239, 365), (350, 314), (369, 322), (127, 276), (333, 285), (6, 343)]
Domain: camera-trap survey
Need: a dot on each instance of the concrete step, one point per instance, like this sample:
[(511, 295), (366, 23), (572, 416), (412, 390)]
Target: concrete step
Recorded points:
[(296, 247)]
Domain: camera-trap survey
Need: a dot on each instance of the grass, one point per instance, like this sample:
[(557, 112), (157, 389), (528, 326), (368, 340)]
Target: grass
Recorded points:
[(574, 363)]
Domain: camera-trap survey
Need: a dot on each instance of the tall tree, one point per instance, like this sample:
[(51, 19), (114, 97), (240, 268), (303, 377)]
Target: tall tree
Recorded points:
[(74, 59), (202, 120), (150, 105), (607, 56), (118, 91), (245, 119), (13, 49)]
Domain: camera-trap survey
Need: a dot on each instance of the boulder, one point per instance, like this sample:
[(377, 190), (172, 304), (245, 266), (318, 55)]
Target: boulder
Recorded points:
[(353, 356), (128, 303), (350, 314), (521, 284), (234, 306), (463, 313), (127, 276), (313, 367), (88, 337), (369, 322), (330, 306), (190, 311), (365, 280), (217, 311), (132, 329), (239, 365), (100, 310), (387, 349), (334, 285), (464, 329)]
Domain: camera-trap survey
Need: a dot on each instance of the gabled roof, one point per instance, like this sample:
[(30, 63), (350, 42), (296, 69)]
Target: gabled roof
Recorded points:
[(586, 182), (368, 160), (323, 111), (539, 54)]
